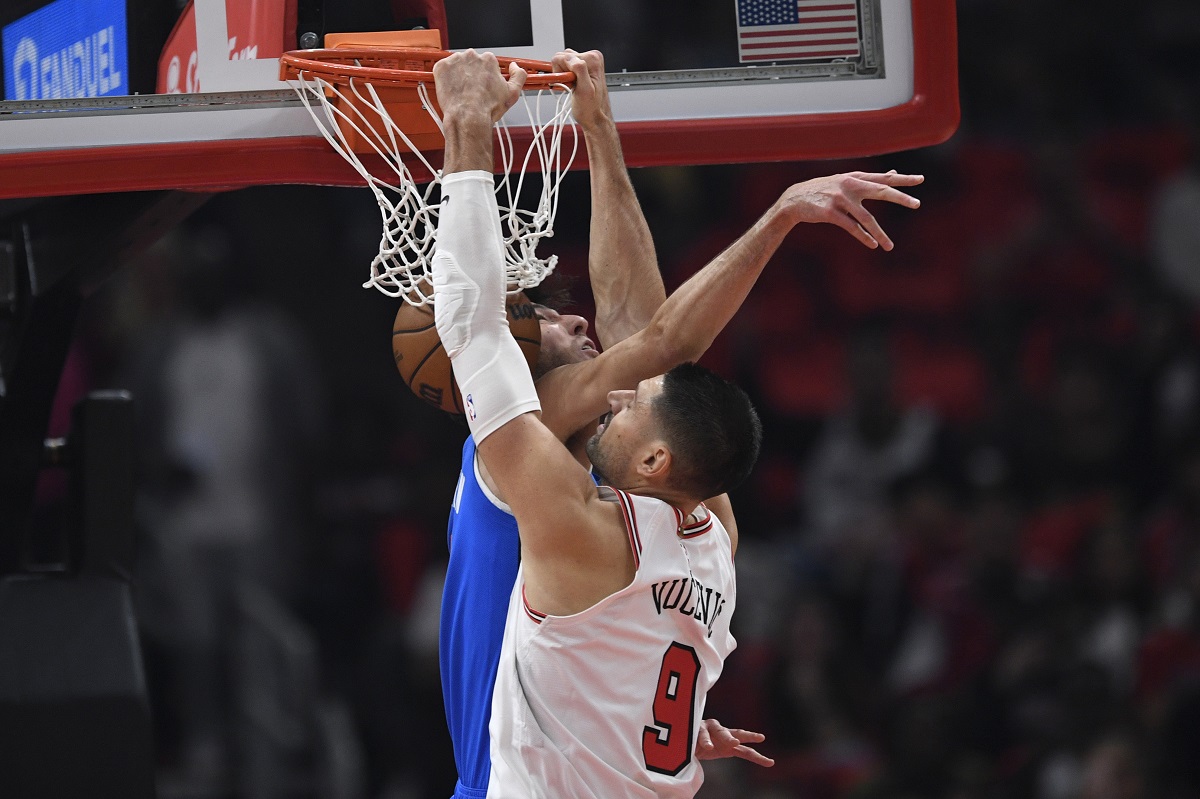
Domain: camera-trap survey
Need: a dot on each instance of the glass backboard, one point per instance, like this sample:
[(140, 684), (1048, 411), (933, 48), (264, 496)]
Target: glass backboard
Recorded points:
[(707, 81)]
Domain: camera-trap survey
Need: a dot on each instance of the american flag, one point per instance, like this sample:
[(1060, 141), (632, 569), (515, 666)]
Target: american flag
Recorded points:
[(788, 30)]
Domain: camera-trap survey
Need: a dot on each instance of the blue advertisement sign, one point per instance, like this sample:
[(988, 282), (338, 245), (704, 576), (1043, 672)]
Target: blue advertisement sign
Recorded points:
[(69, 48)]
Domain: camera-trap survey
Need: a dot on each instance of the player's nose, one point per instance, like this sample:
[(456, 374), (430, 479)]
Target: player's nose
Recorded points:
[(619, 400), (576, 324)]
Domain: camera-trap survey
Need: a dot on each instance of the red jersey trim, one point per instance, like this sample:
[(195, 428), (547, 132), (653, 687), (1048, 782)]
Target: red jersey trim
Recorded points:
[(635, 538), (696, 528), (536, 616)]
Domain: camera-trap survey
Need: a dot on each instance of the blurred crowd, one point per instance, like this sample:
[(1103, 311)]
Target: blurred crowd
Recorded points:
[(970, 559)]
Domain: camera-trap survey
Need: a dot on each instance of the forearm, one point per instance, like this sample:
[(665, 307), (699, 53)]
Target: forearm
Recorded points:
[(681, 330), (468, 141), (694, 315), (622, 263), (468, 266), (469, 286), (697, 311)]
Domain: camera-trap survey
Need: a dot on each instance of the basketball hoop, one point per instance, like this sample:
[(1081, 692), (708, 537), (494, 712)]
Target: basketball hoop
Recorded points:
[(381, 100)]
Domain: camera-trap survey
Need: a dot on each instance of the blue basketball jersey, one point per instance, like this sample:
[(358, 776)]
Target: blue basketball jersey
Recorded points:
[(484, 557), (485, 554)]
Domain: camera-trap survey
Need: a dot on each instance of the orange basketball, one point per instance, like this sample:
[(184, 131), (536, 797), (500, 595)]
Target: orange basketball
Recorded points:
[(422, 360)]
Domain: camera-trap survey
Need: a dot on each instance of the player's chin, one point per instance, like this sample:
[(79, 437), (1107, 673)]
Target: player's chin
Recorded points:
[(592, 447)]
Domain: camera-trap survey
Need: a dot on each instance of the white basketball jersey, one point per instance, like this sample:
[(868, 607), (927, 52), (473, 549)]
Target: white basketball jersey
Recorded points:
[(608, 702)]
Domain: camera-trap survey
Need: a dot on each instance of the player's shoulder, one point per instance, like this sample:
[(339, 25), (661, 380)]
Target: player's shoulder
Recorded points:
[(642, 511)]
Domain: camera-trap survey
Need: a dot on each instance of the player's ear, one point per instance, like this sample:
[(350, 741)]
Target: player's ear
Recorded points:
[(655, 463)]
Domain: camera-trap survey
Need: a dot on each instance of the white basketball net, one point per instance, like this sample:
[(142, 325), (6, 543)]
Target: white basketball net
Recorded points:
[(410, 212)]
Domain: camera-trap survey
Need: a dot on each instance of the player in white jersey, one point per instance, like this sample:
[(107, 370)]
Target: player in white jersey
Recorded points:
[(606, 702), (675, 440), (574, 378)]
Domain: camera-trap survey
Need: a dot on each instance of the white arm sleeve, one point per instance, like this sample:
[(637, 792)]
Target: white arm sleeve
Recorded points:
[(469, 288)]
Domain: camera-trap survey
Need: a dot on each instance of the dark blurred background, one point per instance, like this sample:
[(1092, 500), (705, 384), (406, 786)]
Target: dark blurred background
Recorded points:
[(970, 558)]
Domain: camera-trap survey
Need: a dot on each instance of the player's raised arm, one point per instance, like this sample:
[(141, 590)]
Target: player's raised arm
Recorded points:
[(686, 324), (468, 277), (622, 264)]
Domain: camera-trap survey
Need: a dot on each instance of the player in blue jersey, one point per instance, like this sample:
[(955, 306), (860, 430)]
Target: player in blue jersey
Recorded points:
[(641, 337)]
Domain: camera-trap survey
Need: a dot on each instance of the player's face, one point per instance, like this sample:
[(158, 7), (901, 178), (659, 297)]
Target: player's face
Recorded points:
[(624, 431), (564, 340)]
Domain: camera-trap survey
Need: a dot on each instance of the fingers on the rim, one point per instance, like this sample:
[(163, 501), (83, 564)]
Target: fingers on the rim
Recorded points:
[(594, 59)]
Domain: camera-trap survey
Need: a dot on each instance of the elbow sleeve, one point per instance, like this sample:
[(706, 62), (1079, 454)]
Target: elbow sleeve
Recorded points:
[(469, 289)]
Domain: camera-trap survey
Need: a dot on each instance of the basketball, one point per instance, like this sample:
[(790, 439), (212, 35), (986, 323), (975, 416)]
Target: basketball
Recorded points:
[(422, 360)]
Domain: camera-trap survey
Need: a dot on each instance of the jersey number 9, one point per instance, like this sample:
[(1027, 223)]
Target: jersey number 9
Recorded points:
[(667, 747)]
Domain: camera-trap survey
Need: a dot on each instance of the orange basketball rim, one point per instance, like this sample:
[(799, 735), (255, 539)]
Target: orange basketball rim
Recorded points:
[(374, 95), (401, 76)]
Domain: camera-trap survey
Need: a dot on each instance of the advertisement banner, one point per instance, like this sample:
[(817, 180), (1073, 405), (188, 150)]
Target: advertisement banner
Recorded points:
[(256, 30), (69, 48)]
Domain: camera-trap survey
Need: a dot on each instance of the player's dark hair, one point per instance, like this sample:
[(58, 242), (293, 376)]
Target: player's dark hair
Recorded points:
[(711, 428), (554, 292)]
